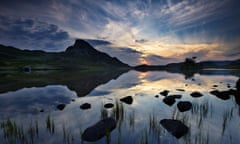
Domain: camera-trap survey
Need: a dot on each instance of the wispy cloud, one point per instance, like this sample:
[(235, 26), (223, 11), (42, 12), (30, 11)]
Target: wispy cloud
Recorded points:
[(152, 31)]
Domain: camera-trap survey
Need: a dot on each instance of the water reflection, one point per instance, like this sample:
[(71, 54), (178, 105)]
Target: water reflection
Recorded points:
[(135, 114)]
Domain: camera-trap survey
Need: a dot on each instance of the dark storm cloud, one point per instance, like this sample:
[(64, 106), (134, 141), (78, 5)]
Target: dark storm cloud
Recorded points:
[(32, 34)]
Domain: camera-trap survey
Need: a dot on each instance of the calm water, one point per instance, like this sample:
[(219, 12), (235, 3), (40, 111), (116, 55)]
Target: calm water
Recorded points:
[(29, 113)]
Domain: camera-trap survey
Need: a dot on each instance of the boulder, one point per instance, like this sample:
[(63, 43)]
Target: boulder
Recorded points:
[(169, 100), (224, 95), (99, 130), (61, 106), (196, 94), (156, 96), (164, 93), (108, 105), (127, 99), (184, 106), (85, 106), (175, 127), (238, 85)]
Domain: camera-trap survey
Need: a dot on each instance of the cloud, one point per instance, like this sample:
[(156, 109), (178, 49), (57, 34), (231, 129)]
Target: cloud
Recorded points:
[(32, 34), (95, 42), (141, 41), (146, 28)]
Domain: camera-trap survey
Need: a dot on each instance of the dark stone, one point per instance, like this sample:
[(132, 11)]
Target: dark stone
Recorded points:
[(177, 96), (196, 94), (164, 93), (169, 100), (42, 110), (108, 105), (73, 100), (180, 89), (186, 84), (175, 127), (184, 106), (127, 99), (99, 130), (238, 85), (156, 96), (27, 69), (215, 85), (85, 106), (224, 95), (61, 106)]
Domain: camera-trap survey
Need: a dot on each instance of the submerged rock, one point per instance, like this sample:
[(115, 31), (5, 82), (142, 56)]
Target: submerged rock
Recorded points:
[(224, 95), (98, 130), (108, 105), (176, 96), (180, 89), (156, 96), (184, 106), (238, 85), (196, 94), (175, 127), (85, 106), (61, 106), (127, 99), (164, 93), (215, 85), (169, 100)]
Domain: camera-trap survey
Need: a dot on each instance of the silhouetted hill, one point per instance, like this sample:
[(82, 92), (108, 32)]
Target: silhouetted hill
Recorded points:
[(79, 56), (84, 50)]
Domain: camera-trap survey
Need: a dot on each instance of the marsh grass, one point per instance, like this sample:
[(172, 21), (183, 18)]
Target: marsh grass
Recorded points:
[(12, 133), (50, 125)]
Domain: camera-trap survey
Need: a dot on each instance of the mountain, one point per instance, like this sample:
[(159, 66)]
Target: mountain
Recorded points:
[(81, 55)]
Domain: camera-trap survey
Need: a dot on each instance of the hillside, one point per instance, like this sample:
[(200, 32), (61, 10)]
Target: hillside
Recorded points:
[(81, 55)]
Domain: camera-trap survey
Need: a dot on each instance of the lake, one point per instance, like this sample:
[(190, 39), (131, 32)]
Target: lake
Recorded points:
[(119, 107)]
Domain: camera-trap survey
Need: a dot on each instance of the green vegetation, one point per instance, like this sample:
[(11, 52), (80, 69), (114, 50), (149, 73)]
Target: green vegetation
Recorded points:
[(79, 56)]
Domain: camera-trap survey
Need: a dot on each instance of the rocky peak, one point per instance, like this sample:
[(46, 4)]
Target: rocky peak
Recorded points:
[(81, 46)]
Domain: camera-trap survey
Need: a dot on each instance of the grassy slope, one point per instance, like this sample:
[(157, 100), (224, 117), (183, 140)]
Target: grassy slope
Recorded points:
[(15, 59)]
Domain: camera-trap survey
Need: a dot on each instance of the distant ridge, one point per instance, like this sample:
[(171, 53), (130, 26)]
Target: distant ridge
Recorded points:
[(81, 55)]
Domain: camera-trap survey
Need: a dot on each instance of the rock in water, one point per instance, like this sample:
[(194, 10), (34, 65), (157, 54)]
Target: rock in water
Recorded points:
[(184, 106), (164, 93), (176, 96), (175, 127), (238, 86), (180, 89), (61, 106), (196, 94), (224, 95), (127, 99), (108, 105), (85, 106), (169, 100), (98, 130)]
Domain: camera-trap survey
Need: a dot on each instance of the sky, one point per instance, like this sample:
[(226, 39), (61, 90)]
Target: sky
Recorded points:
[(137, 32)]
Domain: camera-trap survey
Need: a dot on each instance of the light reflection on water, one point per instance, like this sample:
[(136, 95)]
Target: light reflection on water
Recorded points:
[(211, 120)]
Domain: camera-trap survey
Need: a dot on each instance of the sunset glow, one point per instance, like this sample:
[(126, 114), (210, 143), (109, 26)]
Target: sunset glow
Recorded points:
[(136, 32)]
